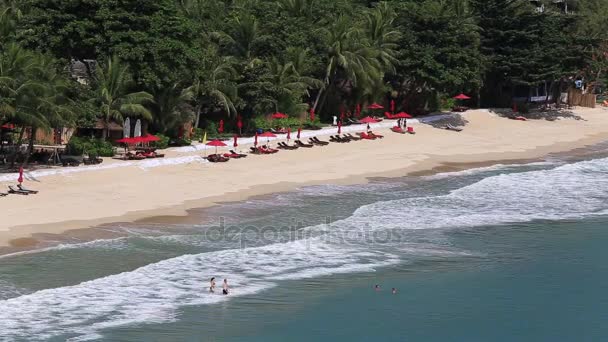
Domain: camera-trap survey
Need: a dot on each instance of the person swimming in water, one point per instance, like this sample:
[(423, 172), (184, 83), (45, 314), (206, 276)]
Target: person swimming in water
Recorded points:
[(394, 290), (212, 285), (377, 287), (225, 287)]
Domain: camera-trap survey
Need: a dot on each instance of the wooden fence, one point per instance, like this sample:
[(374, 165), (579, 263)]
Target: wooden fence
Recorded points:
[(577, 98)]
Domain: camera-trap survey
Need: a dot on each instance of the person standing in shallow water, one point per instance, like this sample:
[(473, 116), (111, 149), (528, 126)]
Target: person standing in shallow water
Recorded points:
[(212, 285), (225, 287)]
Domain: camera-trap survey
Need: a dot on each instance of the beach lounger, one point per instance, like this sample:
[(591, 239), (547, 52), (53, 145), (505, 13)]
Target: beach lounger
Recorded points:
[(216, 158), (301, 144), (267, 150), (352, 137), (410, 130), (320, 141), (3, 194), (520, 118), (452, 128), (284, 146), (397, 129), (255, 150), (12, 190), (375, 135), (366, 136), (22, 188), (240, 154)]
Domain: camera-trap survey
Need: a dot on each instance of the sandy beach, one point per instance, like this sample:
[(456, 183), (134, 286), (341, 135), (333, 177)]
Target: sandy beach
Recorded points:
[(112, 194)]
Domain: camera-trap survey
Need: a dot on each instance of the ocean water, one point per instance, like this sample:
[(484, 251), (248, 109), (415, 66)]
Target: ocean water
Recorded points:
[(502, 253)]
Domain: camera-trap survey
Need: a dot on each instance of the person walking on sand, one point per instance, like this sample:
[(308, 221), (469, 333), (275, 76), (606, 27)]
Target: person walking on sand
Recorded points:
[(212, 285), (225, 287)]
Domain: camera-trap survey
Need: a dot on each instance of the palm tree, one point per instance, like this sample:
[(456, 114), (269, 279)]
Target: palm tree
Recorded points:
[(215, 86), (290, 86), (297, 7), (171, 107), (242, 39), (113, 96), (379, 28), (349, 56)]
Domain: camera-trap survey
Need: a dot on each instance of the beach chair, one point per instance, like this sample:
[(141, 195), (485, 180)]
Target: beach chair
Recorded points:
[(301, 144), (12, 190), (320, 141), (352, 137), (410, 130), (216, 158), (267, 150), (284, 146), (3, 194), (397, 129), (375, 135), (255, 150), (240, 154), (366, 136), (22, 188)]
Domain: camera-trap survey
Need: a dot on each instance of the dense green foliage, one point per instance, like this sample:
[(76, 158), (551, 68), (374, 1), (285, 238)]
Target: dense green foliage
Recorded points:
[(172, 62), (78, 146)]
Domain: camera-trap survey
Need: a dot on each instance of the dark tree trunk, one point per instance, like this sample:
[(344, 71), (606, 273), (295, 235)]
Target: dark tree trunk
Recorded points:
[(17, 148), (30, 147)]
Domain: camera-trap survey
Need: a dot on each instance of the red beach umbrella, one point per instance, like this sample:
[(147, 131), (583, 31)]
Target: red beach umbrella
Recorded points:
[(462, 97), (20, 179), (239, 124), (299, 131), (389, 115), (150, 138), (358, 112), (255, 141), (217, 143), (368, 119), (8, 126), (339, 127), (235, 144), (279, 115), (402, 115), (392, 106), (268, 135), (375, 106), (220, 129), (124, 141), (288, 133)]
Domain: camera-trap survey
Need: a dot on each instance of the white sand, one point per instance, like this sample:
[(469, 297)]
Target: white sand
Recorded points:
[(116, 192)]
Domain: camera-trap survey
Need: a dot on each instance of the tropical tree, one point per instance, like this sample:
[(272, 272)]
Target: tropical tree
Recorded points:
[(113, 96), (172, 107), (215, 87)]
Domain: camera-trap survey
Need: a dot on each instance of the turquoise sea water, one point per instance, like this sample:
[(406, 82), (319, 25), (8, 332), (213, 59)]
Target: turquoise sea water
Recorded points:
[(505, 253)]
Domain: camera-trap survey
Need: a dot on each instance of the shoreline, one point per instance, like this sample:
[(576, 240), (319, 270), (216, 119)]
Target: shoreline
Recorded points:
[(23, 237)]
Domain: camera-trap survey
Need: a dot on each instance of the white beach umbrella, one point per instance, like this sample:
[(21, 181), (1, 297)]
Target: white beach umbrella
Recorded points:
[(137, 132), (126, 128)]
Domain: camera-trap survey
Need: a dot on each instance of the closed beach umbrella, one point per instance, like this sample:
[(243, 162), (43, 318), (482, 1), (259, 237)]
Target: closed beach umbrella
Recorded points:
[(126, 128), (220, 129), (137, 132), (235, 144), (339, 127), (312, 114), (255, 141), (217, 143), (239, 124), (205, 138), (20, 179), (392, 106), (299, 131), (288, 134), (358, 112)]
